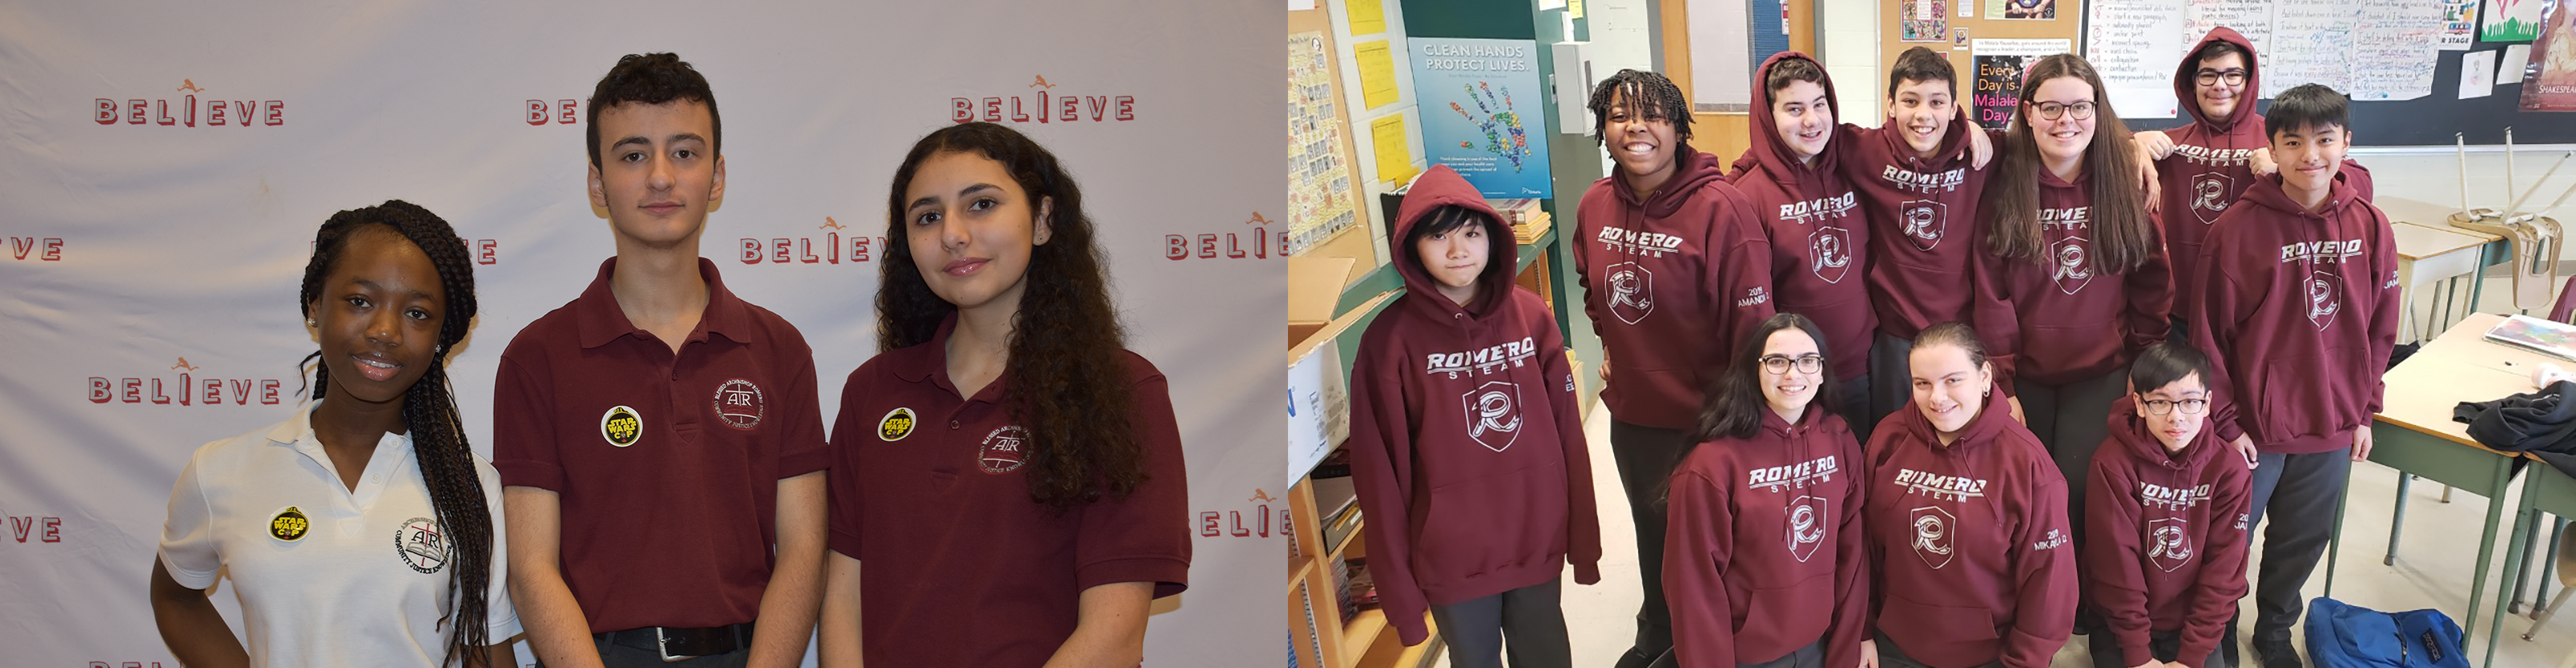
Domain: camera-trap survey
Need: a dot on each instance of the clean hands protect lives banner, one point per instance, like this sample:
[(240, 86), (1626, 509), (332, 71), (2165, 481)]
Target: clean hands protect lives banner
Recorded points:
[(162, 171)]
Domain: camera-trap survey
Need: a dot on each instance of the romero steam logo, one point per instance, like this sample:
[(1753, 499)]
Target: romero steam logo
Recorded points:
[(1932, 539), (421, 545), (1494, 414), (2325, 298), (1004, 450), (1632, 291), (1922, 221), (2209, 196), (1831, 252), (739, 404), (2168, 543), (2072, 268), (1806, 526)]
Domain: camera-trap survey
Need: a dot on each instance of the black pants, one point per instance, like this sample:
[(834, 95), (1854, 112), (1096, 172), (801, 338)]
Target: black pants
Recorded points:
[(1645, 457), (2298, 492), (1529, 618), (1891, 378), (615, 655), (2072, 419), (1854, 395), (1810, 656), (2163, 645), (1890, 656)]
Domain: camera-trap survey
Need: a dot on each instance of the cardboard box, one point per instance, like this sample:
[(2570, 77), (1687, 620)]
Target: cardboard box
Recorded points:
[(1319, 413)]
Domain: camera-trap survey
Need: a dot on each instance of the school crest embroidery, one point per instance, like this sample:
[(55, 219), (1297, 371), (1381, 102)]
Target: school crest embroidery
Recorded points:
[(1806, 515), (2168, 543), (1830, 253), (1632, 291), (1494, 414), (2209, 196), (1922, 222), (739, 404), (421, 544), (2325, 297), (1932, 541), (2071, 263), (1004, 450)]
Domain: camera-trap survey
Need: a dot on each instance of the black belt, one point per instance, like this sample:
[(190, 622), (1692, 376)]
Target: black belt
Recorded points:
[(681, 644)]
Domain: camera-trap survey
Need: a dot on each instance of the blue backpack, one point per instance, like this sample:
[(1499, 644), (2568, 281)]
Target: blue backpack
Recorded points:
[(2344, 636)]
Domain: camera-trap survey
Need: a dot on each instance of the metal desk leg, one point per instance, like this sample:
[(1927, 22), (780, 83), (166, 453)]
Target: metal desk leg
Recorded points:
[(2521, 576), (2549, 566), (2486, 550), (2396, 520)]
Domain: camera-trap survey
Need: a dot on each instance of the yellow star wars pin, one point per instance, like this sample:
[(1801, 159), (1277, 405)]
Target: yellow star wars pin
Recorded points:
[(896, 425), (289, 524), (621, 426)]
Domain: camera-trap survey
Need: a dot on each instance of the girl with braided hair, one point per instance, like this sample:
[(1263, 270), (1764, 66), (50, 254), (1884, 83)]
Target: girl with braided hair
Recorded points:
[(299, 513), (1004, 456)]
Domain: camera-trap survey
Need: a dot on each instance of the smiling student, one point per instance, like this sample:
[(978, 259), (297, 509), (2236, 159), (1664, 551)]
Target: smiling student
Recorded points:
[(1918, 176), (1969, 559), (2072, 281), (2298, 316), (1477, 511), (1764, 564), (298, 514), (1811, 219), (2164, 562), (1004, 464), (659, 437), (1674, 269)]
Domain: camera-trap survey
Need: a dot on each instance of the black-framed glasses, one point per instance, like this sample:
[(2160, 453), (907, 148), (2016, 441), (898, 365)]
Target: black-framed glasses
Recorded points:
[(2163, 407), (2052, 110), (1779, 364), (2233, 77)]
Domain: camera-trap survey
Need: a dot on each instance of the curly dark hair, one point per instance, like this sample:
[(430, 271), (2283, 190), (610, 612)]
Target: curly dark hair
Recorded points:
[(1068, 386), (439, 446), (1649, 94), (652, 78)]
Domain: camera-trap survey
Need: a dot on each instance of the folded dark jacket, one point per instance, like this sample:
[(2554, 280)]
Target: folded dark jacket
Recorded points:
[(2542, 423)]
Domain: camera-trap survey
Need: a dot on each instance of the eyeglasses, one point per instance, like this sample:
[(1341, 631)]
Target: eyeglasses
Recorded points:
[(2052, 110), (1779, 364), (2234, 77), (2163, 407)]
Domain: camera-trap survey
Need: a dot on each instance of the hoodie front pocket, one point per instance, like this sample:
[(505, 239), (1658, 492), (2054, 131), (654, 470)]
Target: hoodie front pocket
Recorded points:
[(1798, 612), (1493, 523), (2307, 396)]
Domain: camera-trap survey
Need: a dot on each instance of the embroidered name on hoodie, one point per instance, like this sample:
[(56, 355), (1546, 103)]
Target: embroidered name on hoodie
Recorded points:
[(1753, 296), (2321, 251), (2171, 498), (1819, 208), (1482, 360), (2215, 157), (2056, 538), (1955, 487), (1633, 242), (1919, 182), (1802, 474)]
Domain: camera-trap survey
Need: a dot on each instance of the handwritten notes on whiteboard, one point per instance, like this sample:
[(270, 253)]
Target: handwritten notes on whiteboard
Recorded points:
[(2134, 45), (2394, 45)]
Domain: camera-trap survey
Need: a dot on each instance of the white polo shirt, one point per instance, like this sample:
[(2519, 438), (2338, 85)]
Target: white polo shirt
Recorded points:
[(361, 581)]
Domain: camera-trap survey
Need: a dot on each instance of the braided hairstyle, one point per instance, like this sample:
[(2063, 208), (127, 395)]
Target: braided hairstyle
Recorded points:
[(1068, 386), (446, 460), (1650, 96)]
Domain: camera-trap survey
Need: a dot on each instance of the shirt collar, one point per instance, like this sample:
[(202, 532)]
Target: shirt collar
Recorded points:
[(928, 361), (297, 433), (598, 320)]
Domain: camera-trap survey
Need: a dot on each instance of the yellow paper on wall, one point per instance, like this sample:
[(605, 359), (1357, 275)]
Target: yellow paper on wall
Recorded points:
[(1574, 8), (1377, 73), (1368, 17), (1394, 152)]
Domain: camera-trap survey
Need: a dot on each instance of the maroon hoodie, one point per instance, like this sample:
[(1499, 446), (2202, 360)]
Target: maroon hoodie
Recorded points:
[(1969, 554), (2299, 313), (1922, 221), (2165, 537), (1762, 551), (1811, 219), (1671, 283), (1466, 446), (2065, 321), (2211, 165)]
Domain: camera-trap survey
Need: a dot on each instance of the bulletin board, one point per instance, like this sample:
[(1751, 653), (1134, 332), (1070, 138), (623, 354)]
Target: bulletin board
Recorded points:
[(1324, 181), (2009, 29)]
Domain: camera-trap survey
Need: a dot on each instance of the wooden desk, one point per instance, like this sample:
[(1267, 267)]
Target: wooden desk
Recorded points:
[(2414, 434)]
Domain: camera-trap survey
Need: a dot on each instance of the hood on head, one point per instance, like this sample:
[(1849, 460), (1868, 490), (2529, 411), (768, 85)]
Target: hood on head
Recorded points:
[(2187, 74), (1769, 150), (1439, 187)]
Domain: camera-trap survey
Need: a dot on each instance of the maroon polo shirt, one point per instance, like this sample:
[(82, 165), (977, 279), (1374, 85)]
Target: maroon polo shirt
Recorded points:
[(961, 567), (668, 465)]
